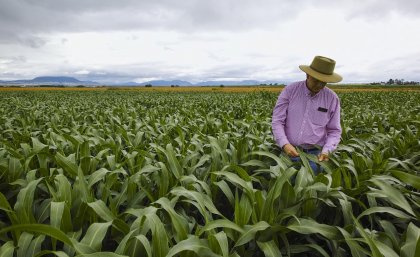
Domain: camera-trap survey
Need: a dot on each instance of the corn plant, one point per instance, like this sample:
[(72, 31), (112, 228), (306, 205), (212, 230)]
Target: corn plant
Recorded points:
[(118, 173)]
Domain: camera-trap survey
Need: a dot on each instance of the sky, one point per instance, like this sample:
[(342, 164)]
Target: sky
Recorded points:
[(112, 41)]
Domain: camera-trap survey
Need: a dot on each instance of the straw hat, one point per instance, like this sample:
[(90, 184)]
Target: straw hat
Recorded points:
[(322, 68)]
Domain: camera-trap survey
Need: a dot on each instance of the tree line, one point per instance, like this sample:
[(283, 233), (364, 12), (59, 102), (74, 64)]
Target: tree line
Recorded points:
[(396, 82)]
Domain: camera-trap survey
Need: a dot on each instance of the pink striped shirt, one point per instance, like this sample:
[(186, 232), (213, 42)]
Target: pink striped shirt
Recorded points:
[(304, 120)]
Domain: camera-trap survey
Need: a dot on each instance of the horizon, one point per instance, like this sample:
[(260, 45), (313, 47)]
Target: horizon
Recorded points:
[(171, 82)]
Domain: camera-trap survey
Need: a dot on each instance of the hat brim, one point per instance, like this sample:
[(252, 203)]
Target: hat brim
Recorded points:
[(334, 78)]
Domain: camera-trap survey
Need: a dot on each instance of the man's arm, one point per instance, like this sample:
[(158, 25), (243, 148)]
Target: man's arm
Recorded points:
[(333, 130), (278, 120), (279, 123)]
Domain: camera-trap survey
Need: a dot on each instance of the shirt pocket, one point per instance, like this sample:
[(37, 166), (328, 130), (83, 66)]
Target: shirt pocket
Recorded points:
[(319, 118)]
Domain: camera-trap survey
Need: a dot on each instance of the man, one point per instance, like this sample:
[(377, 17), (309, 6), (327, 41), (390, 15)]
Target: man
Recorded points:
[(307, 114)]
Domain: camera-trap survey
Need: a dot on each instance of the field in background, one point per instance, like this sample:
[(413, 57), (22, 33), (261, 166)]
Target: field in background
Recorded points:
[(152, 172), (227, 89)]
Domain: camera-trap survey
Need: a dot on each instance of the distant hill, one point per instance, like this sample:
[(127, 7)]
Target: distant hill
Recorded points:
[(229, 83), (50, 80), (238, 83), (70, 81), (130, 83), (166, 83)]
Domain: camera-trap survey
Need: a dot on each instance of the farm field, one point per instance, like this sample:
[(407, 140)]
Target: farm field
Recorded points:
[(176, 172), (226, 89)]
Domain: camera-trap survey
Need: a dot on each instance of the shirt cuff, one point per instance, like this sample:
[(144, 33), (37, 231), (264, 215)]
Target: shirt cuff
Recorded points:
[(327, 149), (283, 142)]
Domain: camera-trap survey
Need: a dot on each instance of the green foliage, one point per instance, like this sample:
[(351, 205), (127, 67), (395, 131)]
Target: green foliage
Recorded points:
[(117, 173)]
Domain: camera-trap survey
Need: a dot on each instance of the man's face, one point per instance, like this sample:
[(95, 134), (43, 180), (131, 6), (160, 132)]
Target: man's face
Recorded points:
[(314, 85)]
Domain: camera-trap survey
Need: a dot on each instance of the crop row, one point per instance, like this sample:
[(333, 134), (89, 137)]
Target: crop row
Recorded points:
[(115, 173)]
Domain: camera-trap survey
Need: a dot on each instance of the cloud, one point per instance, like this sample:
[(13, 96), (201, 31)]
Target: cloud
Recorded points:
[(28, 17), (198, 40), (12, 59), (82, 72), (27, 21), (380, 9), (33, 42), (87, 15)]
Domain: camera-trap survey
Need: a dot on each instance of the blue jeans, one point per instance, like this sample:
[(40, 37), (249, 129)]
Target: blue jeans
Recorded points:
[(315, 167)]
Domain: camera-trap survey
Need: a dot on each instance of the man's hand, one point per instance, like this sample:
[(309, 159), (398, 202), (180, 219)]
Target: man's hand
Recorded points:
[(323, 157), (290, 150)]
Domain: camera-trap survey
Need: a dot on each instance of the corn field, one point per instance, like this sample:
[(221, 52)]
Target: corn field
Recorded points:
[(118, 173)]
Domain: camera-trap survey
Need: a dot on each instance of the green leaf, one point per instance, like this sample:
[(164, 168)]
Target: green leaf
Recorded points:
[(56, 213), (308, 248), (269, 248), (83, 186), (222, 243), (64, 192), (411, 247), (35, 246), (174, 165), (250, 231), (100, 208), (25, 240), (95, 235), (391, 232), (193, 244), (368, 240), (287, 196), (97, 176), (41, 229), (159, 235), (243, 209), (393, 195), (24, 202), (124, 242), (268, 212), (413, 180), (390, 210), (67, 164), (5, 206), (306, 226), (15, 169), (255, 163), (355, 249), (235, 179), (146, 244), (179, 223), (37, 145), (222, 223), (49, 253), (7, 249), (203, 201), (385, 250), (278, 160), (101, 254), (226, 190)]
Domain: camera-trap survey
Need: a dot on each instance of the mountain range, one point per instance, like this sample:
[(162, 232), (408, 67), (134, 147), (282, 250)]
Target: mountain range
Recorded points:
[(70, 81), (49, 80)]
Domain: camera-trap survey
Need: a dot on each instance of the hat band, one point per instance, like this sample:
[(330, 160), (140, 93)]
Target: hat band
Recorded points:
[(321, 71)]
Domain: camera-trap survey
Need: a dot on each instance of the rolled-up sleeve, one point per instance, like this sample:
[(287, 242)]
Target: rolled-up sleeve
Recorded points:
[(333, 129), (278, 121)]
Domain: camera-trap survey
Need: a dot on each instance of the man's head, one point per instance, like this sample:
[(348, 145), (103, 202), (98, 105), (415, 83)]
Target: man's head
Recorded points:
[(322, 69), (313, 84)]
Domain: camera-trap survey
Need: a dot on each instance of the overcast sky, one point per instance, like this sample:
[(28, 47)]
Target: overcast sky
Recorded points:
[(197, 40)]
